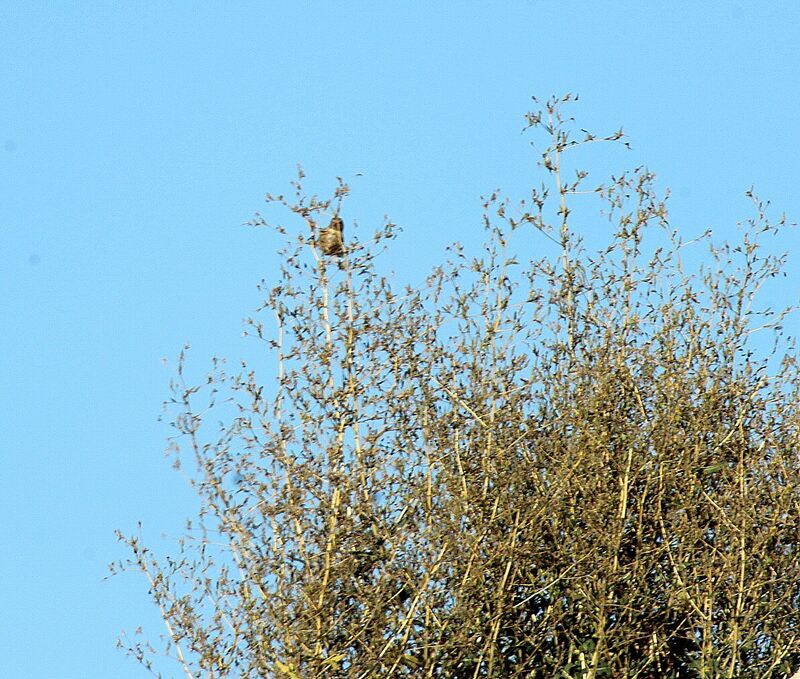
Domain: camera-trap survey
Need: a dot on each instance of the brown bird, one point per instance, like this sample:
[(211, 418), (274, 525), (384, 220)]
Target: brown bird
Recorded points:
[(330, 240)]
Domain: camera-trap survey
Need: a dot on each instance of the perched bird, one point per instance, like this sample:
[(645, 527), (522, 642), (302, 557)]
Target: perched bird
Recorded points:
[(330, 240)]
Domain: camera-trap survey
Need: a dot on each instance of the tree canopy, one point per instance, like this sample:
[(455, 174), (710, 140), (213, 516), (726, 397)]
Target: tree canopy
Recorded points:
[(581, 465)]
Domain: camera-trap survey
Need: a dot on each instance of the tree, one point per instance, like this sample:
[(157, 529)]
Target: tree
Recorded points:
[(577, 466)]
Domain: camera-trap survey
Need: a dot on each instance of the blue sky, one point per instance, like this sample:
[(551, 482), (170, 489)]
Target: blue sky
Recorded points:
[(135, 138)]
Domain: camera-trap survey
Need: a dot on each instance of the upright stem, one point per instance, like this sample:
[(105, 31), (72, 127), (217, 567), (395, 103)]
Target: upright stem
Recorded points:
[(566, 263)]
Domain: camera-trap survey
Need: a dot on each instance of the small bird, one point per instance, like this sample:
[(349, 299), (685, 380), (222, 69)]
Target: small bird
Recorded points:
[(330, 240)]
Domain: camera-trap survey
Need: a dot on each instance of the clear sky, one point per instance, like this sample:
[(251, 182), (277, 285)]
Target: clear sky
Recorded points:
[(135, 138)]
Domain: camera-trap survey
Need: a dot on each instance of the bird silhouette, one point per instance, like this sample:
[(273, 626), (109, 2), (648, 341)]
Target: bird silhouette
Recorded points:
[(330, 239)]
